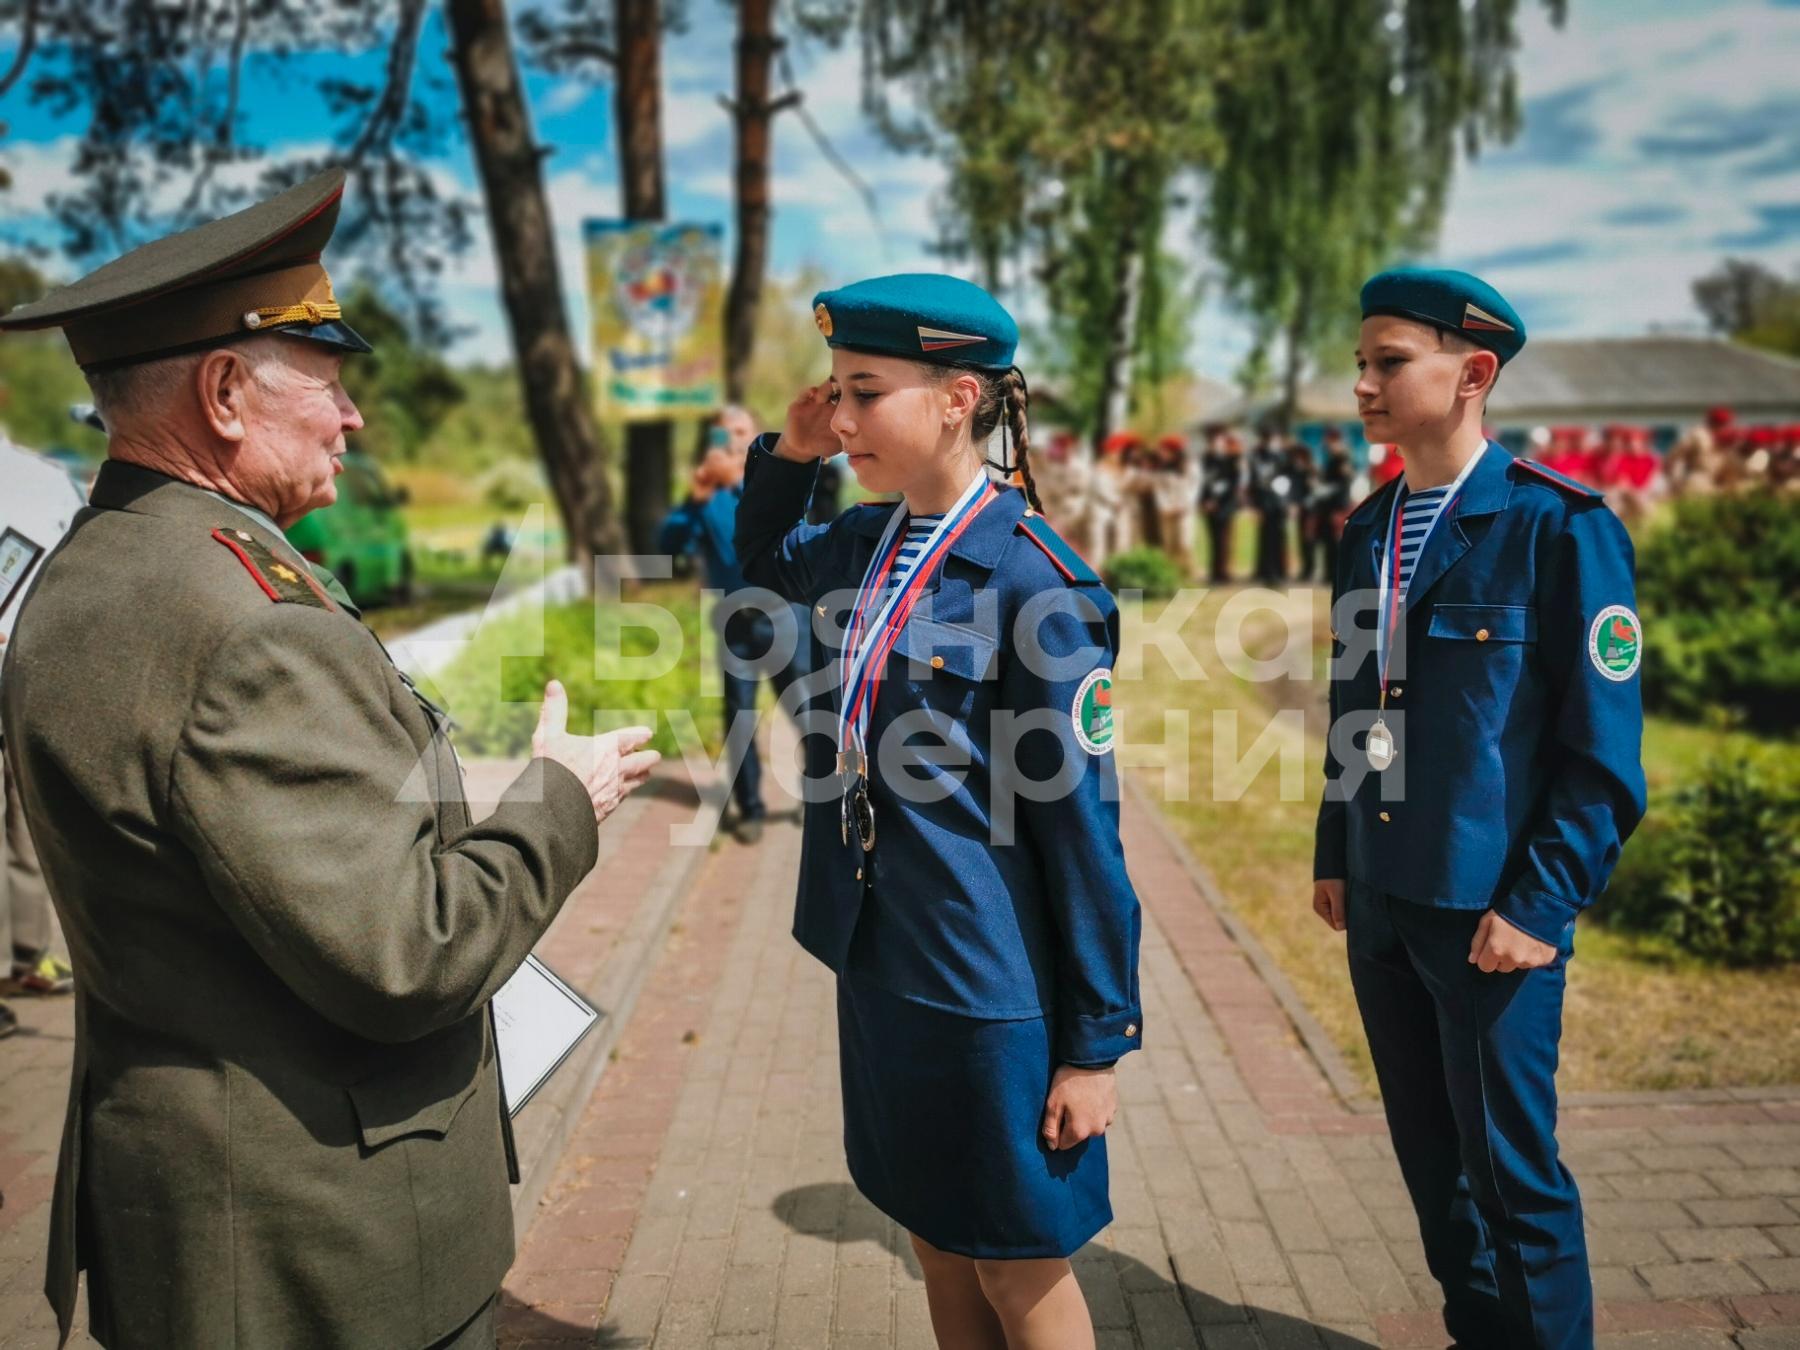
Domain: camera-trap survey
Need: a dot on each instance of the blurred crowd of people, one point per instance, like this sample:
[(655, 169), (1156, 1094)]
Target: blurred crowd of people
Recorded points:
[(1724, 455), (1134, 493), (1140, 494)]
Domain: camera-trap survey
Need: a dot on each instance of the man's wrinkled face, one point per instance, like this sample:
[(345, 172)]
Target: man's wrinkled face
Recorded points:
[(296, 415), (1408, 378)]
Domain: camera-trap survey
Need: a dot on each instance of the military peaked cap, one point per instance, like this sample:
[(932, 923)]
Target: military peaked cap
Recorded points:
[(256, 271)]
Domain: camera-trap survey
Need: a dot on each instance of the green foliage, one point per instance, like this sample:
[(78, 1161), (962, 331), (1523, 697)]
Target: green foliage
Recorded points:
[(1340, 122), (403, 388), (1716, 869), (39, 379), (1717, 584), (1143, 569), (494, 694), (1749, 302), (512, 484)]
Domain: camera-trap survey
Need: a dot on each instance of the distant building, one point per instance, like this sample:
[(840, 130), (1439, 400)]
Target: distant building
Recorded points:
[(1666, 383)]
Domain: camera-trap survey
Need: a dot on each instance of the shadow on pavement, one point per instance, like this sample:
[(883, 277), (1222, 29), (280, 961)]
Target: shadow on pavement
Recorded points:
[(835, 1212)]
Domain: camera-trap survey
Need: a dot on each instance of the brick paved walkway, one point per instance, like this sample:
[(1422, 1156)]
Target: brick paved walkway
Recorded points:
[(702, 1198), (704, 1201)]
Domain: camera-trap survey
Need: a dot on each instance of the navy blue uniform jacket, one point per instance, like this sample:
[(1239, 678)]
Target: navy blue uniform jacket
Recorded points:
[(1044, 925), (1517, 715)]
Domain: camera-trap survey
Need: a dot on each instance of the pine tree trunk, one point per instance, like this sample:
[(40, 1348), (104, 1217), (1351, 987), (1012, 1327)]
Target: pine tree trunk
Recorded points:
[(637, 108), (752, 113), (508, 158)]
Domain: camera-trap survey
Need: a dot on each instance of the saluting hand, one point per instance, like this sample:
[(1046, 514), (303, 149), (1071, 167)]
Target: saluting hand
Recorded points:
[(1082, 1103), (610, 765), (807, 435), (1498, 946)]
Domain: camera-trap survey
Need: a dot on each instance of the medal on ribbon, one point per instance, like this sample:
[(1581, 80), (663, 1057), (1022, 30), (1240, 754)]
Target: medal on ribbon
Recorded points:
[(873, 629), (1379, 745)]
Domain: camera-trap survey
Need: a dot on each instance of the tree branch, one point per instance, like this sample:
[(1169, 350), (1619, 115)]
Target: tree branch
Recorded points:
[(826, 148), (227, 120), (389, 109), (27, 41)]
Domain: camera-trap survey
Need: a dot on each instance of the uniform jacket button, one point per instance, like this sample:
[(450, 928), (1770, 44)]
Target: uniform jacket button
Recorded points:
[(1385, 816), (937, 663), (1396, 691), (1131, 1029), (1481, 635)]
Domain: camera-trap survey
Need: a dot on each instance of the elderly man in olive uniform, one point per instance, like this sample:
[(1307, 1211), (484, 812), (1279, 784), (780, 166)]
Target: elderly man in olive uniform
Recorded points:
[(285, 1125)]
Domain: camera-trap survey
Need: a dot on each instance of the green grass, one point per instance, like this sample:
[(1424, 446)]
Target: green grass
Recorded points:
[(495, 687), (1640, 1014)]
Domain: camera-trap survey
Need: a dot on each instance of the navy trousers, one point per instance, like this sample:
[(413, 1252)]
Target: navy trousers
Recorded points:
[(749, 636), (1467, 1066)]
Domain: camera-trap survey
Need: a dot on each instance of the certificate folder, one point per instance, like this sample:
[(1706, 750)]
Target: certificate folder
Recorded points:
[(538, 1022)]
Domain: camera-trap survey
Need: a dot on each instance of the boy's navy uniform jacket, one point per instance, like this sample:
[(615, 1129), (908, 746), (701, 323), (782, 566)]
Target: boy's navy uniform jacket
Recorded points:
[(1516, 713), (1046, 925)]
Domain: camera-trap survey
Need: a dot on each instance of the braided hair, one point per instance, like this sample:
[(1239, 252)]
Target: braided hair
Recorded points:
[(1004, 402)]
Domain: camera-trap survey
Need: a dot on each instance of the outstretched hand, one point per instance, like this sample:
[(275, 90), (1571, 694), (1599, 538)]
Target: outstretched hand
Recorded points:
[(610, 766)]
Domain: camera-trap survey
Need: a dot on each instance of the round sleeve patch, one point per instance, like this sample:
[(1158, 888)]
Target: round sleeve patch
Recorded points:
[(1616, 643), (1092, 713)]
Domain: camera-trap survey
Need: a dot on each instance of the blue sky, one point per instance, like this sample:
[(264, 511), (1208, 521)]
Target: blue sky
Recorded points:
[(1660, 135)]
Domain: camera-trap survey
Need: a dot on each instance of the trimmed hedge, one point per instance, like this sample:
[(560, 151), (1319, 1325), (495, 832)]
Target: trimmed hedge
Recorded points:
[(495, 687), (1143, 569), (1716, 868), (1717, 587)]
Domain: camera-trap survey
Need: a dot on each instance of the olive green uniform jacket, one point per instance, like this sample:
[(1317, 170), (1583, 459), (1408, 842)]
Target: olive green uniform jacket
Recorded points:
[(284, 1125)]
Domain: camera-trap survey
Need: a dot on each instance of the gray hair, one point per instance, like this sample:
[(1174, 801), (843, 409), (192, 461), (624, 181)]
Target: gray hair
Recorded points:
[(124, 394)]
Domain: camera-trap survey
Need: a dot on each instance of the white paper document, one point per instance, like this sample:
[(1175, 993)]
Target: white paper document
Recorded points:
[(538, 1020)]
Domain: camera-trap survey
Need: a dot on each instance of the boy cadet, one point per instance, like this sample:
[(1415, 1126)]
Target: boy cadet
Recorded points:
[(1482, 774), (285, 1124)]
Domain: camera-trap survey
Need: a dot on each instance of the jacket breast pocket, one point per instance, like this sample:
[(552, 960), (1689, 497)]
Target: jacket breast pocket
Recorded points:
[(944, 665), (423, 1093), (1485, 623), (930, 647)]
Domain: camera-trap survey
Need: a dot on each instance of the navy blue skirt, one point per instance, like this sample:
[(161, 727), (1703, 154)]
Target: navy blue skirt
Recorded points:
[(941, 1125)]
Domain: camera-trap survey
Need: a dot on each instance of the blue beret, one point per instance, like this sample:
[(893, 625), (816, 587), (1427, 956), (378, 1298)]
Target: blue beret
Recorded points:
[(1453, 301), (922, 316)]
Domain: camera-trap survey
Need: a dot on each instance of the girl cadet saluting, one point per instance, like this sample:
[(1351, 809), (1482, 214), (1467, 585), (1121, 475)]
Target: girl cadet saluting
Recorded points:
[(963, 875)]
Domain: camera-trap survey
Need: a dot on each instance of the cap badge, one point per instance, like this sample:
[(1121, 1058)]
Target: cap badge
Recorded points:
[(1474, 316), (937, 339), (822, 317)]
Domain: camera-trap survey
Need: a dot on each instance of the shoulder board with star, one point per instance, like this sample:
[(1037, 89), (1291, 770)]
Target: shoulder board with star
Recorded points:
[(1555, 479), (282, 582), (1066, 560)]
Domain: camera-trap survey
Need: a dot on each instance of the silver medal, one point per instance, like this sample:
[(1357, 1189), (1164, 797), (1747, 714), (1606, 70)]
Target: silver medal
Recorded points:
[(1380, 746)]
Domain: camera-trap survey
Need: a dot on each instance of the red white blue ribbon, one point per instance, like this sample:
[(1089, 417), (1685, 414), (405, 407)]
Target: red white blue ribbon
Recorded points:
[(869, 639), (1391, 597)]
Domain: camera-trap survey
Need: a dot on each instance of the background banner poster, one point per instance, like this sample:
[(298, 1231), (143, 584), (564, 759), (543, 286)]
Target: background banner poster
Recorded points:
[(657, 294)]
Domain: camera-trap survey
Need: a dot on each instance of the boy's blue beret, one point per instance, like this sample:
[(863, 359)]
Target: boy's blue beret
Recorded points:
[(1453, 301)]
